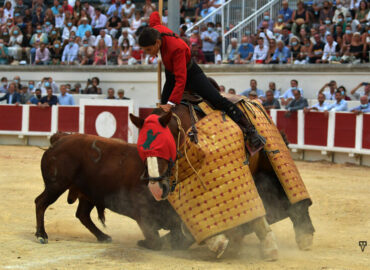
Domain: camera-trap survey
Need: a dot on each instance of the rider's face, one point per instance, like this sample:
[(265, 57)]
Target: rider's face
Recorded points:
[(152, 50)]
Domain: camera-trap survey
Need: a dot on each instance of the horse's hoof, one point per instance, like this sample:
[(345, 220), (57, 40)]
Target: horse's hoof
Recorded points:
[(218, 244), (269, 248), (304, 241), (42, 240), (105, 239), (154, 245)]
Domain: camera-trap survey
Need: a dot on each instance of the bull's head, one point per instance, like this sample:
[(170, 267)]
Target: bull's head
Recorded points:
[(157, 148)]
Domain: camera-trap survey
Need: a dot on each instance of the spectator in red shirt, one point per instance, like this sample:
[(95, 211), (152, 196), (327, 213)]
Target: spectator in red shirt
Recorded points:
[(67, 7)]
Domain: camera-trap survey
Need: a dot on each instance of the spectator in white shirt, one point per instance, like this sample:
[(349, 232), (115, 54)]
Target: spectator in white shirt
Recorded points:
[(59, 19), (331, 50), (42, 55), (265, 33), (70, 53), (340, 9), (126, 35), (90, 38), (68, 29), (107, 38), (362, 92), (8, 10), (329, 95), (89, 9), (321, 106), (209, 39), (99, 21), (260, 51), (289, 93), (129, 9)]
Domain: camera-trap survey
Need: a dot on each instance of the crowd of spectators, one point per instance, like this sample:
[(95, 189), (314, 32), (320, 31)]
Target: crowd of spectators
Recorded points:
[(46, 92), (105, 33)]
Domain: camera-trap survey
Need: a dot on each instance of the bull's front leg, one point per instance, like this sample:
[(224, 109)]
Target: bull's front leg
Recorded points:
[(152, 239)]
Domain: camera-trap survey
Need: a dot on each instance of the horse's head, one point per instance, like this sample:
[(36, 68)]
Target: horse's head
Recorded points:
[(157, 148)]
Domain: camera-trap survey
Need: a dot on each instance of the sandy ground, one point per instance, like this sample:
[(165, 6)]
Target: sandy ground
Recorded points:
[(340, 214)]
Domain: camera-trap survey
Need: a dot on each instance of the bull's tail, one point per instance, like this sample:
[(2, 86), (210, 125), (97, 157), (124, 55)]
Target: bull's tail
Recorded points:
[(101, 214)]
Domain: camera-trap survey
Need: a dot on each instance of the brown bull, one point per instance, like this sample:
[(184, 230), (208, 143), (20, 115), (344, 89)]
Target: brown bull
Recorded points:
[(104, 173)]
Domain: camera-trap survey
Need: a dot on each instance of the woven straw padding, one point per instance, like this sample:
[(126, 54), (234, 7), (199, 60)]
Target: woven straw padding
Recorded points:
[(231, 197), (282, 162)]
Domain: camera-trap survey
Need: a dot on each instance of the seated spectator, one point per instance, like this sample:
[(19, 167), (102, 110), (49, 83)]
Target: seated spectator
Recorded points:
[(89, 9), (362, 15), (121, 94), (126, 35), (209, 39), (67, 31), (253, 96), (286, 12), (92, 86), (260, 52), (77, 89), (4, 85), (344, 92), (276, 92), (340, 9), (222, 88), (17, 81), (42, 55), (326, 11), (232, 91), (86, 53), (317, 50), (114, 24), (15, 43), (64, 97), (90, 39), (298, 103), (279, 24), (11, 97), (148, 8), (56, 53), (36, 98), (36, 40), (329, 95), (365, 91), (67, 7), (55, 7), (60, 19), (48, 100), (270, 101), (107, 39), (31, 86), (269, 23), (136, 22), (100, 55), (197, 54), (253, 87), (232, 52), (83, 27), (54, 35), (295, 49), (364, 107), (289, 93), (218, 57), (246, 50), (4, 54), (340, 104), (38, 17), (125, 53), (129, 9), (265, 33), (45, 83), (281, 55), (99, 21), (286, 36), (300, 18), (70, 53), (356, 52), (114, 7), (113, 53), (25, 95), (272, 48), (331, 50), (321, 106), (315, 15), (110, 93)]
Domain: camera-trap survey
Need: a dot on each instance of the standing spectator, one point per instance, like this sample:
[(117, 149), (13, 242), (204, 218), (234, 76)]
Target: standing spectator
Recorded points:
[(48, 100), (300, 18), (121, 94), (271, 102), (331, 50), (329, 95), (281, 55), (64, 97), (45, 83), (86, 53), (286, 12), (365, 91), (42, 55), (25, 96), (197, 54), (260, 52), (246, 50), (100, 56), (4, 55), (70, 53), (209, 39), (110, 92), (364, 107), (320, 106), (218, 57), (232, 52), (99, 21), (36, 98), (31, 86), (83, 27), (343, 90), (68, 30), (340, 104), (11, 97), (298, 103), (317, 50), (92, 86), (107, 39), (253, 87), (289, 93)]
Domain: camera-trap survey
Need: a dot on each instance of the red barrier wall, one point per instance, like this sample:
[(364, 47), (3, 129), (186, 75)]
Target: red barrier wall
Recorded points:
[(11, 117), (288, 124), (68, 119), (366, 132), (144, 112), (40, 119), (345, 130), (316, 128)]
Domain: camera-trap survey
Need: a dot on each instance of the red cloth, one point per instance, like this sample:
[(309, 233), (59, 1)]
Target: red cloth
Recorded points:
[(175, 56), (156, 140)]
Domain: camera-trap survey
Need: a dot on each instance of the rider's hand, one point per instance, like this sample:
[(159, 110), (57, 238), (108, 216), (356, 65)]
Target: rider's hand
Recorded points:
[(166, 107)]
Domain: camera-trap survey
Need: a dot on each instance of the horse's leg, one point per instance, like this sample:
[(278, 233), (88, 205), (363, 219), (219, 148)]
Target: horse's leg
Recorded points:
[(83, 214), (46, 198), (151, 235), (269, 248), (302, 223)]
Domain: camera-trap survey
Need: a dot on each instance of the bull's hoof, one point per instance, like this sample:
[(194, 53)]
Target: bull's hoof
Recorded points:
[(304, 241), (218, 244), (42, 240), (154, 245), (105, 239), (269, 248)]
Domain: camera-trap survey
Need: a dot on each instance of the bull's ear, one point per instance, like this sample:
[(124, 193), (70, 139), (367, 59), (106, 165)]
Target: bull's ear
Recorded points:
[(165, 119), (137, 121)]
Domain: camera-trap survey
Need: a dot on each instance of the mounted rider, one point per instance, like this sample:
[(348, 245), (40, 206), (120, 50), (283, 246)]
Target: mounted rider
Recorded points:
[(182, 72)]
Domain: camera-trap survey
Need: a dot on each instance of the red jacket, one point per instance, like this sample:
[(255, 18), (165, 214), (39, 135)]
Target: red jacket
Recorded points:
[(175, 56)]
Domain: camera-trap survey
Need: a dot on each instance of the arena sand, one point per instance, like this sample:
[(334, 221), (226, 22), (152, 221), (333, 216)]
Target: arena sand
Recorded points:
[(340, 213)]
